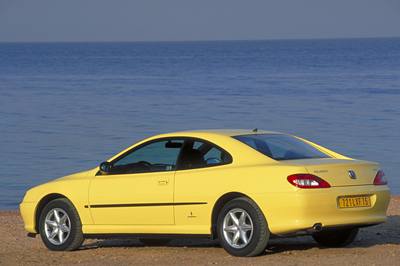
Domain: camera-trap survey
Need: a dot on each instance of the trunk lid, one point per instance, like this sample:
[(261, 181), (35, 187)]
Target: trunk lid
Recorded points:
[(340, 172)]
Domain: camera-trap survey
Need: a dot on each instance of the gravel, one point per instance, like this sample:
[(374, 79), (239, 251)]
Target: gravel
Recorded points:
[(377, 245)]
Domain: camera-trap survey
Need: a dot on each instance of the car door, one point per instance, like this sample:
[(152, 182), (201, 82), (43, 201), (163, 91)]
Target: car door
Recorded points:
[(198, 178), (138, 190)]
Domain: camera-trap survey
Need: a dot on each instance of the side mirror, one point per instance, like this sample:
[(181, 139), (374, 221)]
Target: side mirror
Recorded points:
[(105, 167)]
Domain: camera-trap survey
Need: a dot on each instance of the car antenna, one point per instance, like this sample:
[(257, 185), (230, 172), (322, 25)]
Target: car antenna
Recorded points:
[(255, 130)]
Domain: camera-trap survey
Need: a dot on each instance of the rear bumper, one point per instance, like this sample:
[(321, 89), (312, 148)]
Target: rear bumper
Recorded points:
[(300, 210)]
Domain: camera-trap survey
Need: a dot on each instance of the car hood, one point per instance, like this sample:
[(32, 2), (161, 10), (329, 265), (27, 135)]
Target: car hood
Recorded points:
[(78, 175), (56, 185)]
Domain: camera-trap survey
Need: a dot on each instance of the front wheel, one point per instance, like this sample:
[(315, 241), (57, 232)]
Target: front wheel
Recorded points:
[(242, 228), (60, 226), (336, 238)]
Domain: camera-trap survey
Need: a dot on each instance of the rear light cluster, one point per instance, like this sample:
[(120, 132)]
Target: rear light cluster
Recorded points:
[(307, 181), (380, 178)]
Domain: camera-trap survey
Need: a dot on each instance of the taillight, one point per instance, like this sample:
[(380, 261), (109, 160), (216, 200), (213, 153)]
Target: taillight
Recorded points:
[(380, 178), (307, 181)]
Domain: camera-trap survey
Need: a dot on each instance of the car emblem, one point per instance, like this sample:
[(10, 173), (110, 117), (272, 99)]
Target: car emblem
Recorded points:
[(352, 174)]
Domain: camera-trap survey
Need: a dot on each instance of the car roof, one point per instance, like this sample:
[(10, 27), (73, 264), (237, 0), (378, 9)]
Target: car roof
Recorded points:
[(221, 137), (224, 132)]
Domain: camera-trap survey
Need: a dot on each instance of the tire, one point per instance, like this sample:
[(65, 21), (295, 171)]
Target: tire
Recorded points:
[(70, 226), (154, 241), (336, 238), (257, 237)]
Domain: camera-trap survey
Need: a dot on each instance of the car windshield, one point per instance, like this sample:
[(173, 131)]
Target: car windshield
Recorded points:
[(281, 147)]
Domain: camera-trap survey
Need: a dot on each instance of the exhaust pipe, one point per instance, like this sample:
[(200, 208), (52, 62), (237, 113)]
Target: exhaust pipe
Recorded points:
[(317, 227)]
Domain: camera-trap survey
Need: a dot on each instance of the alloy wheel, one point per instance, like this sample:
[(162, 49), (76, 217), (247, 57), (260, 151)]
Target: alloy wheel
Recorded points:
[(57, 226), (237, 228)]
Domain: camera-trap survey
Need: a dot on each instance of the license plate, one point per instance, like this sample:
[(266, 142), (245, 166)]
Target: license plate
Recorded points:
[(354, 201)]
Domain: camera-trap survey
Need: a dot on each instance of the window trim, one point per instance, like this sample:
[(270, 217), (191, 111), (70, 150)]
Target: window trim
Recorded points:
[(184, 139)]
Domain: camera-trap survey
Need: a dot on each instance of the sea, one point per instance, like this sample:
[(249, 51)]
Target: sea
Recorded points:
[(66, 107)]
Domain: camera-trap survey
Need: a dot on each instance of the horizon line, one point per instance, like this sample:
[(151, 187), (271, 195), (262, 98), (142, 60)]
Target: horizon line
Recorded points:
[(205, 40)]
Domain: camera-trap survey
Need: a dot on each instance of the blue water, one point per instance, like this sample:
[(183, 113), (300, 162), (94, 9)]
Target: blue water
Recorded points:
[(65, 107)]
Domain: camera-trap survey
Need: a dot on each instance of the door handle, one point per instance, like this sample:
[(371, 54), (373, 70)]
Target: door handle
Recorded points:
[(162, 182)]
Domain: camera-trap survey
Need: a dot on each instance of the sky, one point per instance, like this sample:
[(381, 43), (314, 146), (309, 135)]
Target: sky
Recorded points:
[(181, 20)]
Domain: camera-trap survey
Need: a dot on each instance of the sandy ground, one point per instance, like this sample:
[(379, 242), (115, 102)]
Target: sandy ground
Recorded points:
[(378, 245)]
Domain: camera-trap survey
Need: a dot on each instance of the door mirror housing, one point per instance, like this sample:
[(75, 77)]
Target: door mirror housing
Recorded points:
[(105, 167)]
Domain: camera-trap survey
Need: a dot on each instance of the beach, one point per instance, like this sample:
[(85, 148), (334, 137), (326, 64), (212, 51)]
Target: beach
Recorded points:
[(376, 245), (198, 119)]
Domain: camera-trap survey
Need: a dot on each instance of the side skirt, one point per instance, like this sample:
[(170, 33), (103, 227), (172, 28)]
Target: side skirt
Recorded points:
[(128, 236)]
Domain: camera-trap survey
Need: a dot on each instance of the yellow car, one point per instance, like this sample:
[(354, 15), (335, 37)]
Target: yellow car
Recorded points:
[(239, 186)]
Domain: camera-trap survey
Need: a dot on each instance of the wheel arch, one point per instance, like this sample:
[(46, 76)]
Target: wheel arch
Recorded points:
[(43, 202), (219, 204)]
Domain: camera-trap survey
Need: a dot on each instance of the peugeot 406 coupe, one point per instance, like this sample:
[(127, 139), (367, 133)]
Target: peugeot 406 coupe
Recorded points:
[(238, 186)]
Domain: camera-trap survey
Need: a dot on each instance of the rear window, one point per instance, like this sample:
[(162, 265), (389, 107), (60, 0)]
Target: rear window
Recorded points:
[(281, 147)]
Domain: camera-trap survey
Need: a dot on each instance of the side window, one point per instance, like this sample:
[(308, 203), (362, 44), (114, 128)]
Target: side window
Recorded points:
[(214, 156), (199, 154), (153, 157)]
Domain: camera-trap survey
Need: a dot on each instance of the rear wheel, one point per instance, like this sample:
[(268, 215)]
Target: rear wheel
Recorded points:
[(242, 228), (60, 226), (155, 241), (336, 238)]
